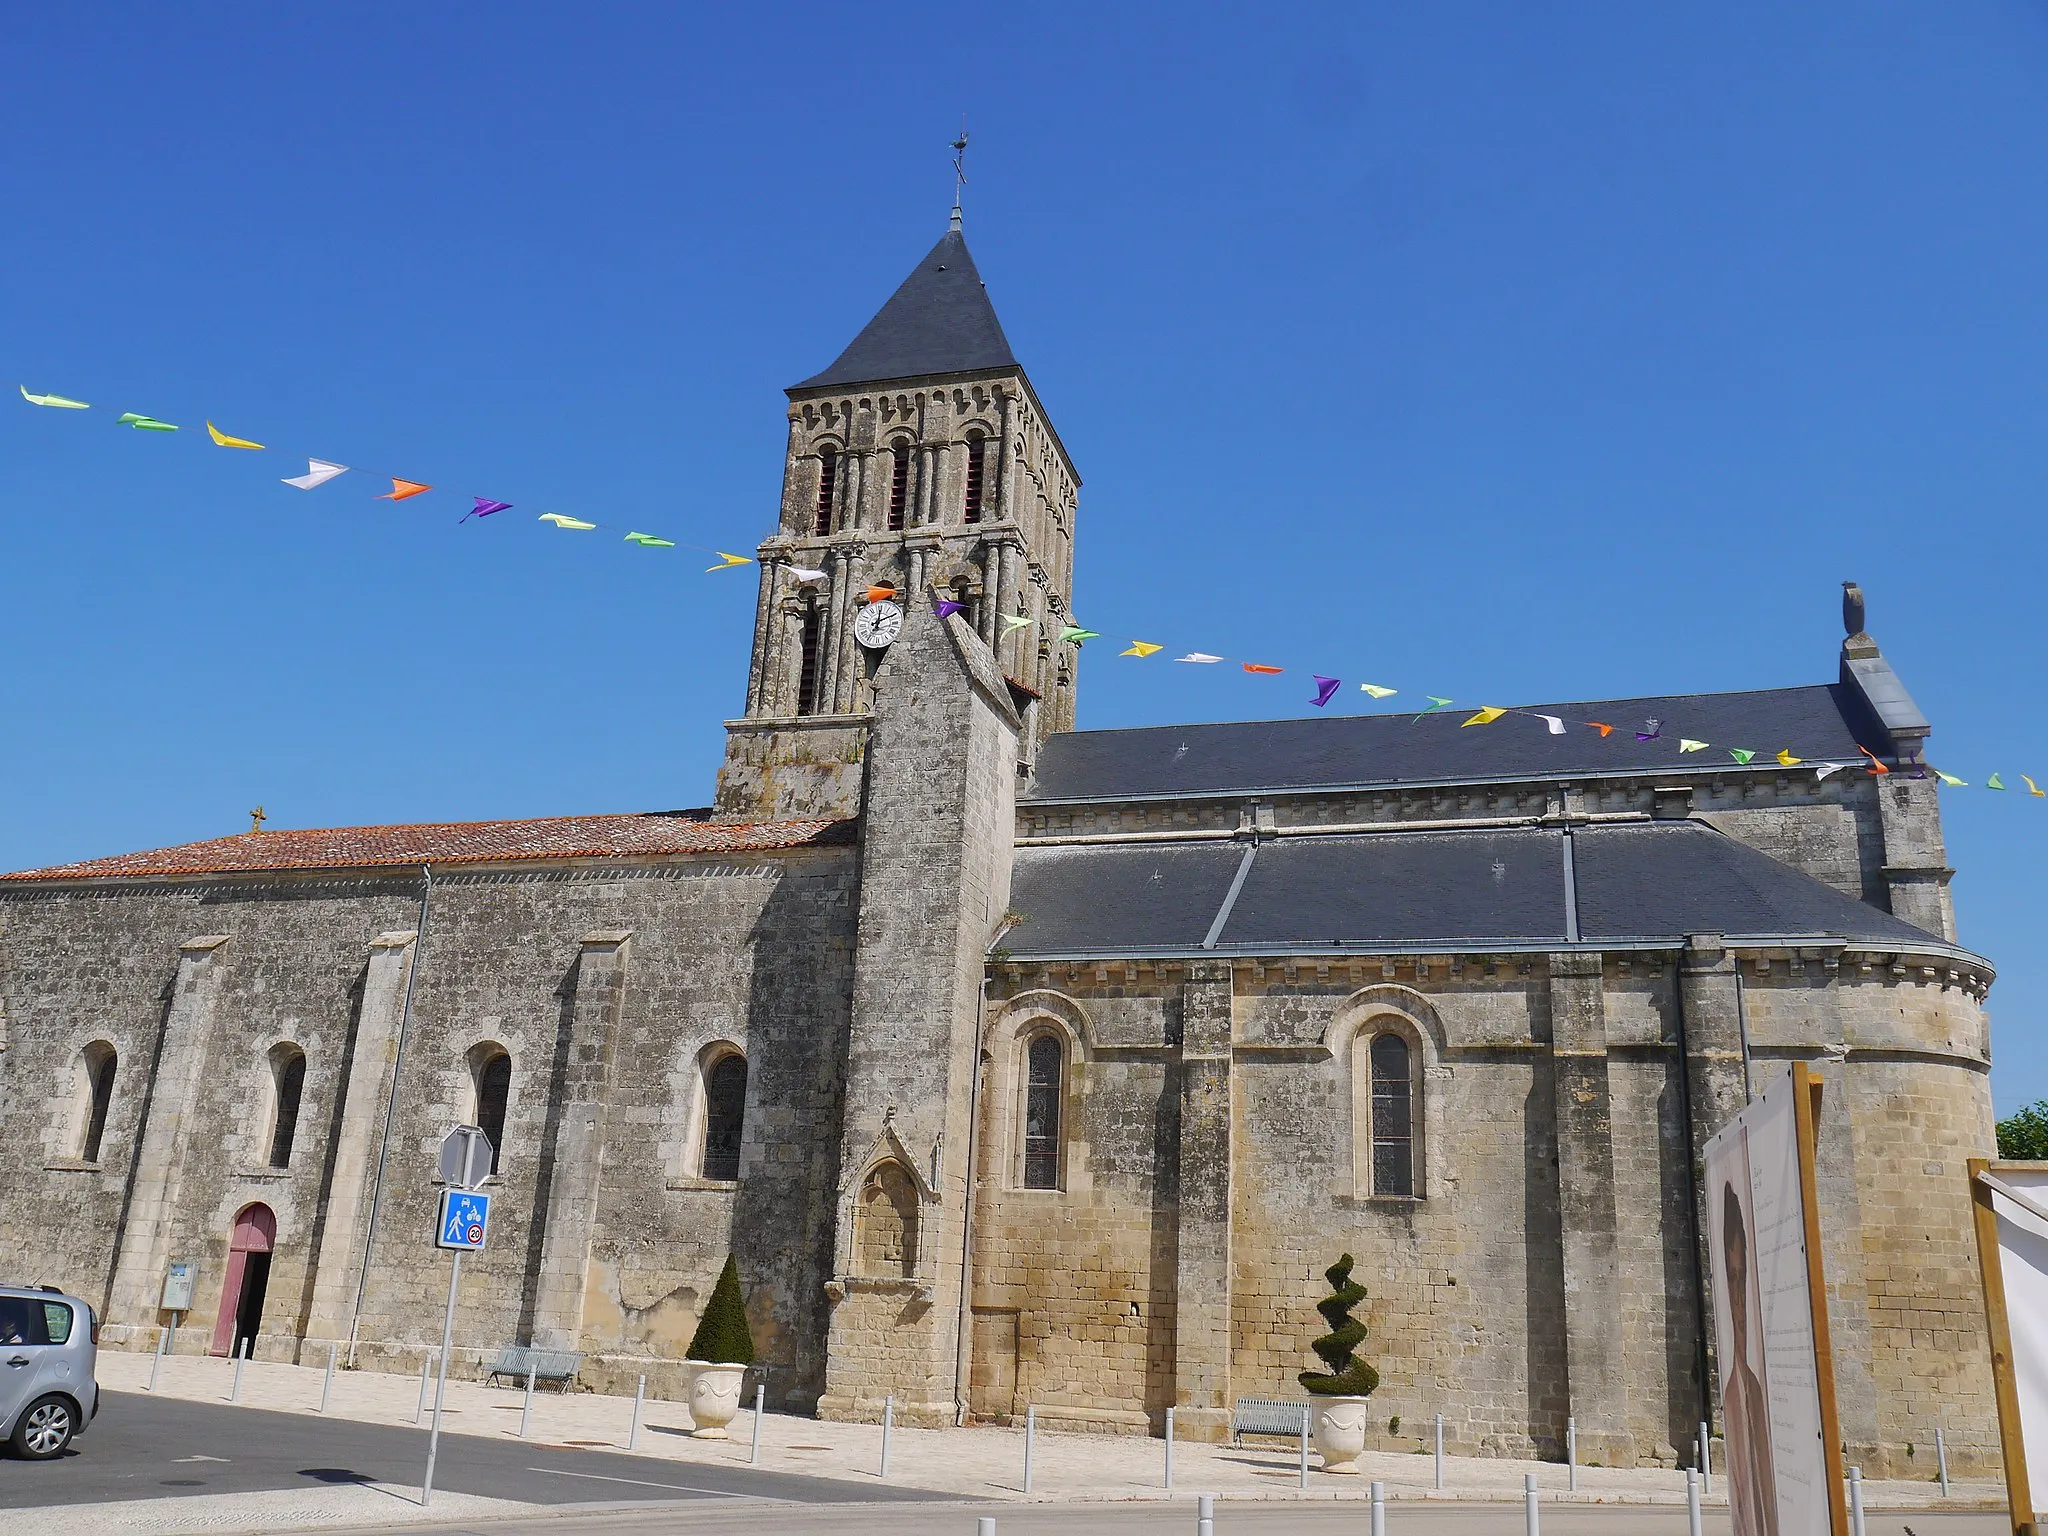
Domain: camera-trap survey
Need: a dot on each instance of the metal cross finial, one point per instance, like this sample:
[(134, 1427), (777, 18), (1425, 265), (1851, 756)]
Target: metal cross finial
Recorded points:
[(256, 819), (959, 166)]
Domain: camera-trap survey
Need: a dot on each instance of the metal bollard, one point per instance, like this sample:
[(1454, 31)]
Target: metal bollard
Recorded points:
[(241, 1359), (1303, 1483), (426, 1381), (1692, 1502), (639, 1397), (1030, 1442), (760, 1397), (1205, 1515), (1941, 1458), (1169, 1450), (1571, 1454), (156, 1365), (1530, 1520), (327, 1383), (1855, 1501), (888, 1423), (1379, 1509), (1706, 1463), (1439, 1452), (526, 1409)]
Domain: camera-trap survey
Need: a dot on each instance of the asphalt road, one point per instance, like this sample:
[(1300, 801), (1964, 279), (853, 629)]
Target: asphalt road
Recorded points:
[(142, 1447)]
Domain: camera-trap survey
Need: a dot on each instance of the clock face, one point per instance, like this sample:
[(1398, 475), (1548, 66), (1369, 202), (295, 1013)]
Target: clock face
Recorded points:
[(878, 624)]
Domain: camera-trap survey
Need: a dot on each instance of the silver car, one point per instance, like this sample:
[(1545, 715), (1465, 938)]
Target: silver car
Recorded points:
[(49, 1347)]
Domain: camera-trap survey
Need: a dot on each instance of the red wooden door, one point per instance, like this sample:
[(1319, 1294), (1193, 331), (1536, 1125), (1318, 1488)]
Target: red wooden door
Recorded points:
[(255, 1230)]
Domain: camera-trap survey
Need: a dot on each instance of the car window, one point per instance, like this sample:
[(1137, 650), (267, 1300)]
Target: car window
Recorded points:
[(57, 1321), (21, 1321)]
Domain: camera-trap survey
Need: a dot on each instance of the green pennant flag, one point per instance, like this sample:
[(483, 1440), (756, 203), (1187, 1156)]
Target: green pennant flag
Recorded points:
[(143, 423), (1074, 634), (649, 541), (1015, 620), (57, 400), (1435, 704), (1740, 755), (1994, 782), (1951, 779)]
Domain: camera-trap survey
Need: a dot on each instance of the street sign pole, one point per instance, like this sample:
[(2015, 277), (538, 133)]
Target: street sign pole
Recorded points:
[(441, 1387)]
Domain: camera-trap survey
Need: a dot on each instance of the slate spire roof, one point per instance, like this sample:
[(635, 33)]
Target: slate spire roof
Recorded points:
[(939, 321)]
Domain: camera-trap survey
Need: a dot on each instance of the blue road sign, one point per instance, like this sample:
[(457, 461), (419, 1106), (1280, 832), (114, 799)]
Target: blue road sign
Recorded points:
[(465, 1218)]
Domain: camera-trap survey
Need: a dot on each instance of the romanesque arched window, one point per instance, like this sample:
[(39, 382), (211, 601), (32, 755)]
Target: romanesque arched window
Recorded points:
[(977, 458), (828, 478), (1045, 1072), (809, 634), (1393, 1115), (899, 485), (287, 1086), (92, 1098), (885, 1223), (490, 1067), (725, 1110)]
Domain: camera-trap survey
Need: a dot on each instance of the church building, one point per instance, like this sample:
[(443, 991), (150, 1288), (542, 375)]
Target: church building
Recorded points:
[(1021, 1065)]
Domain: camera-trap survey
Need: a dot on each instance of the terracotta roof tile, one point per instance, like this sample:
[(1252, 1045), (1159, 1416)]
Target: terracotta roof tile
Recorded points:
[(460, 842)]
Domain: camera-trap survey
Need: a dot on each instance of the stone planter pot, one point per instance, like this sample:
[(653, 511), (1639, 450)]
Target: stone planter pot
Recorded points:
[(714, 1397), (1338, 1426)]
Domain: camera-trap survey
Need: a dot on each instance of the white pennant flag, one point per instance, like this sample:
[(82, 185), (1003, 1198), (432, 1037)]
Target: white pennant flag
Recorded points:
[(318, 472), (1556, 725), (805, 575), (1198, 656), (1822, 770)]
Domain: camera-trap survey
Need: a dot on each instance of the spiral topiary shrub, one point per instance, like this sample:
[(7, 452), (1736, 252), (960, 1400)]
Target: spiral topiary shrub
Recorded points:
[(1345, 1375), (722, 1335)]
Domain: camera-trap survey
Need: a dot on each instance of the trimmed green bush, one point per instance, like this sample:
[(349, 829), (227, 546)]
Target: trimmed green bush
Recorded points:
[(1346, 1375), (2024, 1138), (722, 1335)]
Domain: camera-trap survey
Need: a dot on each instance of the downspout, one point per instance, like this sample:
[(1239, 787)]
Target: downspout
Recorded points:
[(412, 976), (964, 1327), (1742, 1028), (1694, 1172)]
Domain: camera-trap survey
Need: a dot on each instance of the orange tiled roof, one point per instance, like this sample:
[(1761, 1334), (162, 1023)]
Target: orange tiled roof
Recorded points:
[(459, 842)]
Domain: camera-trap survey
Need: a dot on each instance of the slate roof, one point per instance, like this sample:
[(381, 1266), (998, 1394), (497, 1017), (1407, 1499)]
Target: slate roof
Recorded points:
[(1642, 882), (939, 321), (1816, 723), (459, 842)]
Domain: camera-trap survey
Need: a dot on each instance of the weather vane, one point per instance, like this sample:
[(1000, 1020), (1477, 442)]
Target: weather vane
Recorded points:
[(959, 165)]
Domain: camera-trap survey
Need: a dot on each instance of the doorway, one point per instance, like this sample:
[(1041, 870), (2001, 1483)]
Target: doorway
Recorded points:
[(247, 1280)]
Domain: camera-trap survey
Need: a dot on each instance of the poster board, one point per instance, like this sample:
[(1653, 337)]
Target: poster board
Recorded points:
[(1774, 1363), (2012, 1256)]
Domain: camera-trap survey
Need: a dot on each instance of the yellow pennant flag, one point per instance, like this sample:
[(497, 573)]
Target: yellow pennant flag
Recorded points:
[(58, 401), (1785, 757), (2032, 787), (727, 562), (1141, 648), (1486, 716), (225, 441), (1377, 691)]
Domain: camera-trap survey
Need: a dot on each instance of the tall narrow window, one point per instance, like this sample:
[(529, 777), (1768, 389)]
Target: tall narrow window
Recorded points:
[(289, 1069), (96, 1090), (899, 485), (1393, 1101), (977, 451), (493, 1070), (725, 1110), (807, 665), (828, 477), (1044, 1067)]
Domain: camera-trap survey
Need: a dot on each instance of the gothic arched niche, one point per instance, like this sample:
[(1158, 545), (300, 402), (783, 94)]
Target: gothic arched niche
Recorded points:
[(885, 1223)]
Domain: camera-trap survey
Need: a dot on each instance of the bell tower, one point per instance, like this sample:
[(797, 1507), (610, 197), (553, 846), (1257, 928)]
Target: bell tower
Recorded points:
[(920, 461)]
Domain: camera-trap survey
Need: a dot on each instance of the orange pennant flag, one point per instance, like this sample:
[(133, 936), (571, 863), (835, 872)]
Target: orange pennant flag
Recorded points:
[(1604, 730), (880, 594), (1253, 666), (400, 489), (1875, 765)]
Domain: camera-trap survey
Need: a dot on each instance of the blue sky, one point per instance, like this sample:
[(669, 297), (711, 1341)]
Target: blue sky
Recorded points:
[(1507, 352)]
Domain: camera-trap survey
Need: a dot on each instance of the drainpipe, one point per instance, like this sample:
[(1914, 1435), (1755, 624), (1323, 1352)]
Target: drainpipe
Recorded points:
[(965, 1326), (1701, 1362), (412, 976)]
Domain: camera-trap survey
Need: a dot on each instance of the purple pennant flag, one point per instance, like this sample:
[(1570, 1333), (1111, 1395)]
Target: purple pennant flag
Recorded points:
[(1656, 729), (484, 508), (945, 606), (1326, 689)]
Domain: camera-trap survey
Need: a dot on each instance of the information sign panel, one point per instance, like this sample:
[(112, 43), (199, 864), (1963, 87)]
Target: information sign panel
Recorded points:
[(465, 1220)]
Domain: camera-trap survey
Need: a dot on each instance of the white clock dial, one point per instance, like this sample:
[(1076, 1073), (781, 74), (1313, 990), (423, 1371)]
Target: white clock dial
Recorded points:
[(876, 625)]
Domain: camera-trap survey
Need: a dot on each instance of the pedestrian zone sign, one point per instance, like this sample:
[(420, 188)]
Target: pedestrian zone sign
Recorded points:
[(465, 1218)]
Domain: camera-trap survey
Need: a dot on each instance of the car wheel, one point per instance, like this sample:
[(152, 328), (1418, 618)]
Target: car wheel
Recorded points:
[(45, 1428)]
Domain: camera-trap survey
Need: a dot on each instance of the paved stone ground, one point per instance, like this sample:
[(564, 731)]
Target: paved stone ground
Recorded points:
[(978, 1463)]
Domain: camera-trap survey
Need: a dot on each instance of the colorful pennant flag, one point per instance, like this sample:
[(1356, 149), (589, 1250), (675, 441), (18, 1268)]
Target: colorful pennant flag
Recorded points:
[(1326, 688), (1201, 656), (1074, 634), (1994, 782), (484, 507), (2032, 788), (1015, 621), (400, 489), (319, 472), (880, 594), (946, 605), (1377, 691), (1741, 754), (1656, 729), (1253, 666), (649, 541), (1786, 758), (1435, 704), (1951, 780), (1486, 716), (1604, 729), (727, 562), (1555, 725), (1142, 648), (1875, 765), (221, 438), (1687, 744), (559, 519), (805, 576), (143, 423), (57, 400), (1820, 774)]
